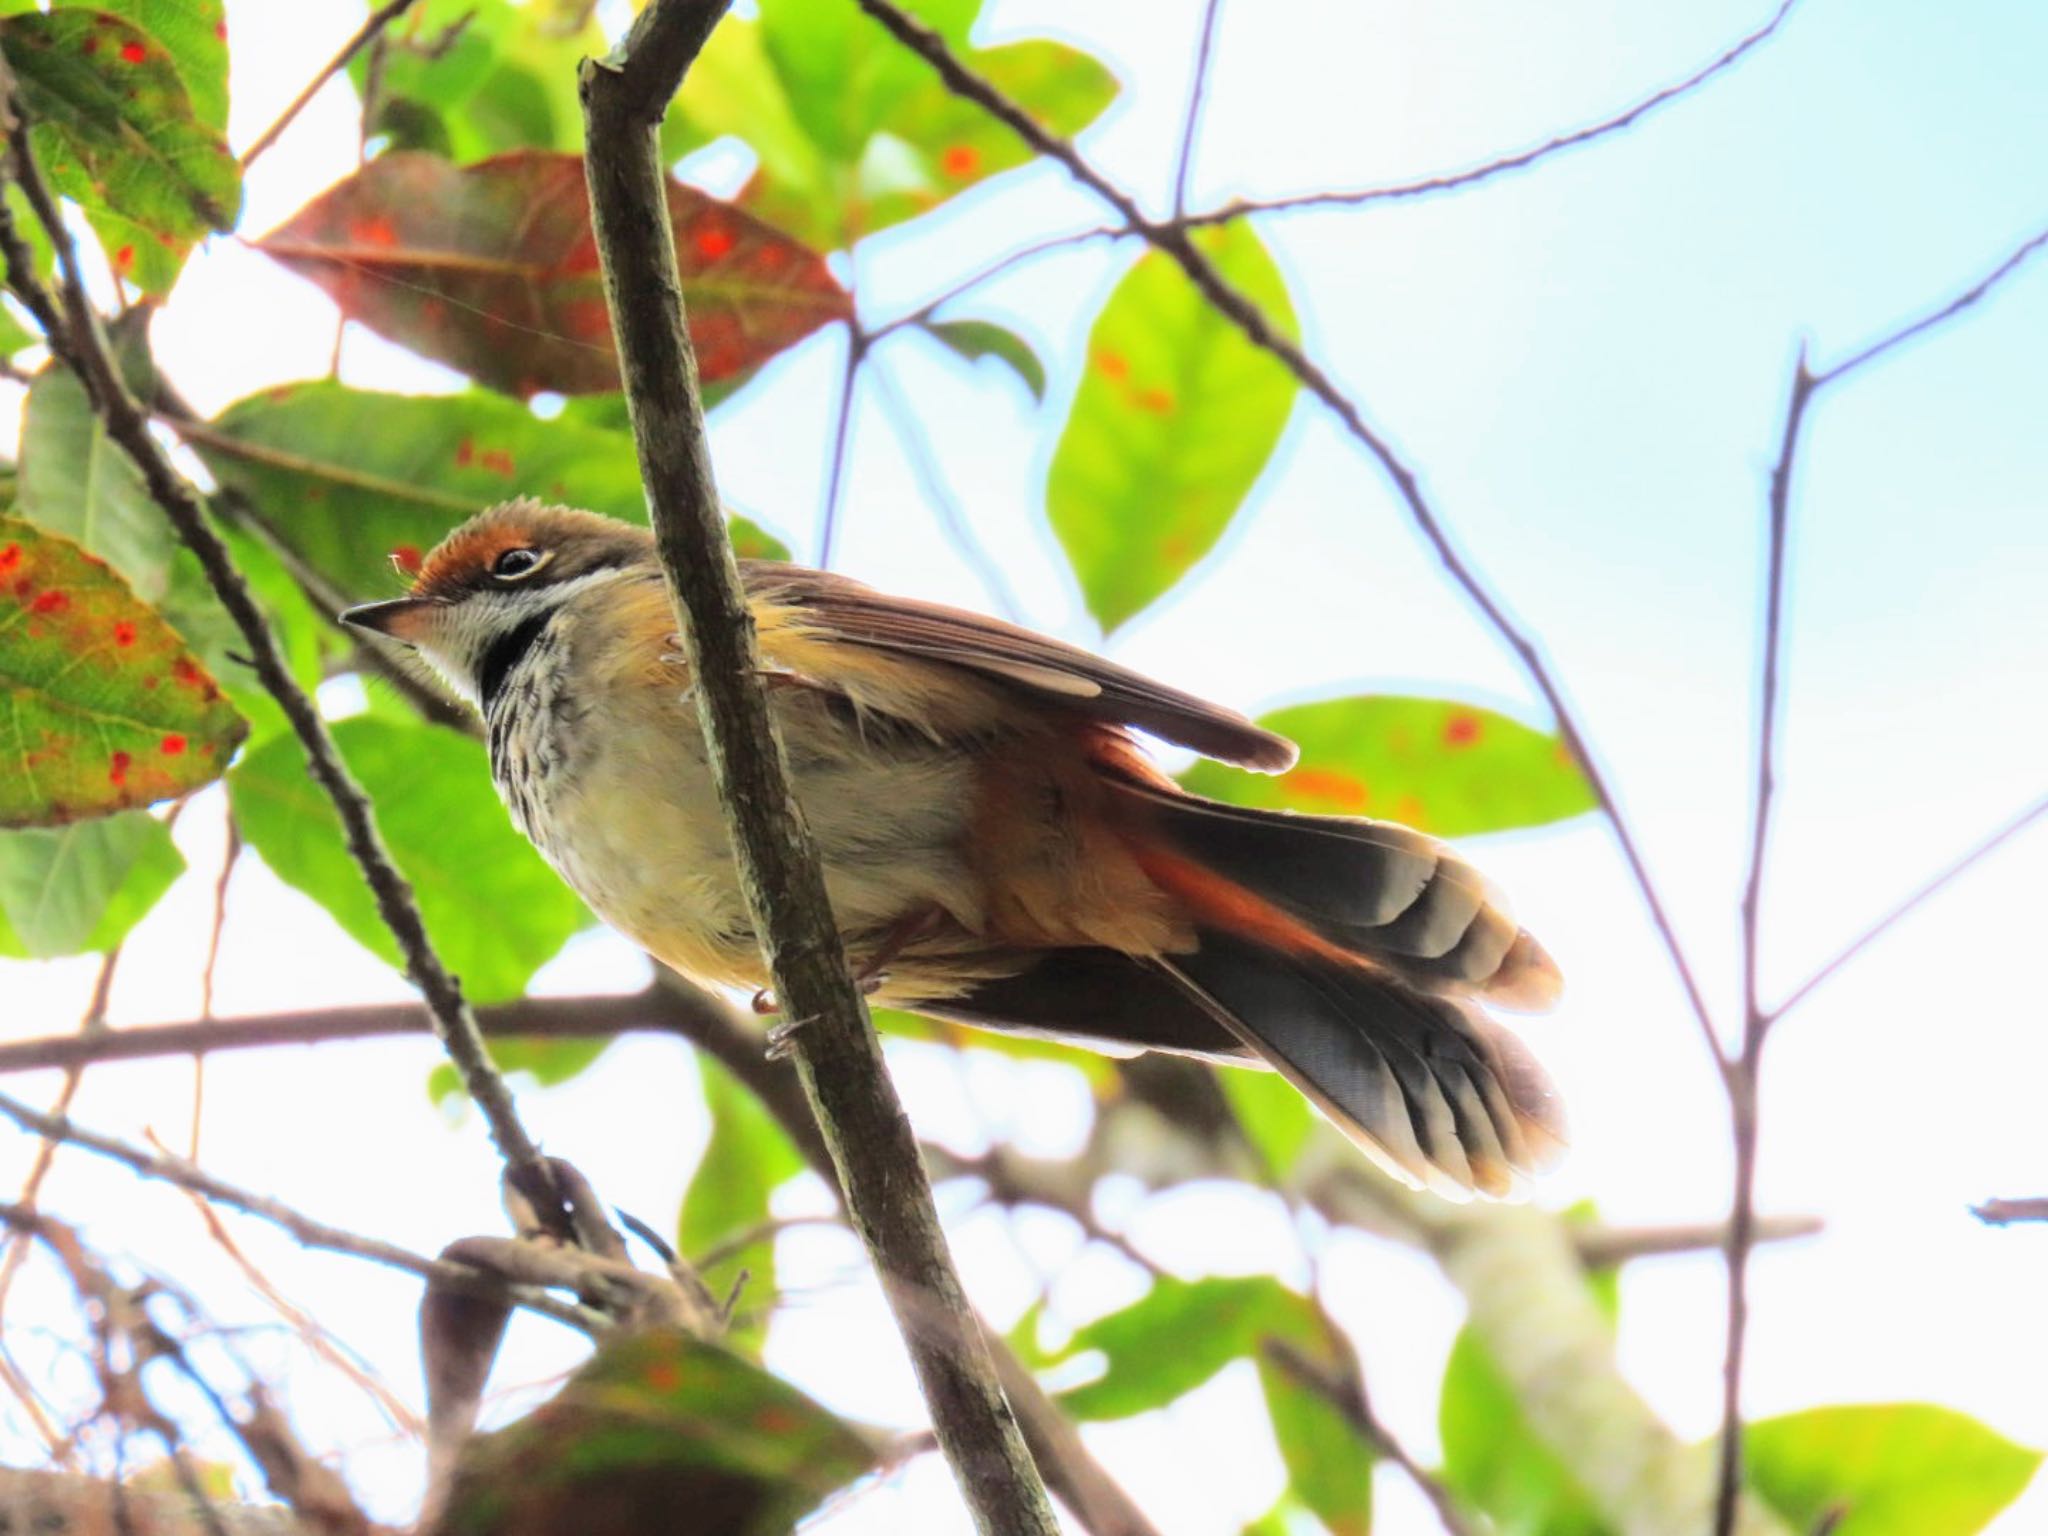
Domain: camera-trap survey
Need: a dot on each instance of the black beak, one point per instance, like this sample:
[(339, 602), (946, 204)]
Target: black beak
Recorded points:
[(401, 618)]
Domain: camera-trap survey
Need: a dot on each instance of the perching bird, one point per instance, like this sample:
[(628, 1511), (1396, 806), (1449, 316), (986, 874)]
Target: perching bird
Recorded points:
[(997, 847)]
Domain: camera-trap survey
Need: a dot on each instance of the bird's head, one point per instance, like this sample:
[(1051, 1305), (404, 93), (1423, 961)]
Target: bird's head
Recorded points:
[(487, 589)]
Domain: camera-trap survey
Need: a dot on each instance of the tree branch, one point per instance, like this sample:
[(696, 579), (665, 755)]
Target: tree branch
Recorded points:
[(1501, 165), (2004, 1213), (837, 1053), (76, 339), (377, 21), (311, 1233)]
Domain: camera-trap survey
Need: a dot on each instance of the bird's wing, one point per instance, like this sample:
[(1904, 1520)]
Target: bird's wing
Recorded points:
[(838, 610)]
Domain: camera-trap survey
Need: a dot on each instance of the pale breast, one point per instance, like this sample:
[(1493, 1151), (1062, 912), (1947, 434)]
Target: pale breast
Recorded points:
[(614, 787)]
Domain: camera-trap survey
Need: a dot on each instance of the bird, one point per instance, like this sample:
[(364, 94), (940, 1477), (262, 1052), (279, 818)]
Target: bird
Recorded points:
[(999, 847)]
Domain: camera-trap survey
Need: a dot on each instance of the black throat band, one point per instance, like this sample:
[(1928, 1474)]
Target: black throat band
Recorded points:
[(506, 652)]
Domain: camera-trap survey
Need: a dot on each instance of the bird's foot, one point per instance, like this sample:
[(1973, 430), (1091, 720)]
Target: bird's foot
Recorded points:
[(782, 1038)]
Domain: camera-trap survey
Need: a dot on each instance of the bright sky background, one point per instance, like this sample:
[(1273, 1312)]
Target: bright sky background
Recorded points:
[(1588, 363)]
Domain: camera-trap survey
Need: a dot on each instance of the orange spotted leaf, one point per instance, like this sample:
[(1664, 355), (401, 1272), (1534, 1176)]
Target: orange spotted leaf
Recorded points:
[(1447, 768), (129, 127), (654, 1423), (107, 709), (1175, 418), (492, 269)]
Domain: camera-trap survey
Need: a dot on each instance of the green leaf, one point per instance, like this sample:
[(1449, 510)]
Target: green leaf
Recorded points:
[(194, 34), (64, 890), (346, 478), (1888, 1469), (116, 131), (492, 269), (842, 73), (1447, 768), (1099, 1070), (15, 333), (746, 1160), (1174, 419), (657, 1423), (851, 133), (1329, 1463), (75, 480), (1275, 1117), (1179, 1334), (473, 78), (494, 910), (976, 339), (106, 707)]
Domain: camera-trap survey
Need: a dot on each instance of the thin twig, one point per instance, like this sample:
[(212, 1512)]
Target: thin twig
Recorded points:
[(953, 521), (1742, 1076), (1913, 903), (78, 340), (2004, 1213), (842, 420), (2025, 252), (838, 1057), (92, 1023), (311, 1233), (1503, 164), (316, 1338), (378, 20), (994, 270), (230, 856), (1258, 328), (1191, 125)]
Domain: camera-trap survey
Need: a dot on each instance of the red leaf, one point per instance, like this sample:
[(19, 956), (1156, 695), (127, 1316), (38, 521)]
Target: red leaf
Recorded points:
[(492, 268)]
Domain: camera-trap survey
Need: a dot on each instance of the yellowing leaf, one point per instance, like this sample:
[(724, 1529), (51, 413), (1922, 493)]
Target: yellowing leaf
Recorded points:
[(102, 706), (1447, 768), (1175, 418)]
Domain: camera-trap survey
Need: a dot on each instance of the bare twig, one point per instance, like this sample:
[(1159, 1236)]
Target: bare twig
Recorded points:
[(2004, 1213), (838, 1057), (77, 339), (953, 521), (312, 1233), (1605, 1247), (1258, 328), (1913, 903), (842, 420), (1742, 1075), (994, 270), (1501, 165), (377, 21), (1191, 124)]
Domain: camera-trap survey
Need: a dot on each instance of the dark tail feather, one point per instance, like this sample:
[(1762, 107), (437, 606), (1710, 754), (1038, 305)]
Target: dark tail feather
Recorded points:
[(1436, 1093), (1431, 1089), (1376, 888)]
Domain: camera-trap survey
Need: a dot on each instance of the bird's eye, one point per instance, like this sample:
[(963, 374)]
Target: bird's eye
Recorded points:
[(516, 564)]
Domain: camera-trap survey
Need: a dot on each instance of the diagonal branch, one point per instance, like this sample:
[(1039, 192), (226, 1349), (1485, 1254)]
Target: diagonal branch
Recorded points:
[(1913, 903), (75, 337), (1258, 328), (311, 1233), (363, 36), (838, 1056), (1627, 118)]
